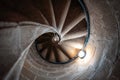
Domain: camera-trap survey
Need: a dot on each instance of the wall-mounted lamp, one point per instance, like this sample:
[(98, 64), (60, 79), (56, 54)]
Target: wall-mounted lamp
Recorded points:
[(82, 54)]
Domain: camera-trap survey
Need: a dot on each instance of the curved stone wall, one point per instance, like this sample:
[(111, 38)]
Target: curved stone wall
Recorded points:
[(102, 60), (102, 50)]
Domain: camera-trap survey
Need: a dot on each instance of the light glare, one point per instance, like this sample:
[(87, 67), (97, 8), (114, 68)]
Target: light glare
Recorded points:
[(82, 54)]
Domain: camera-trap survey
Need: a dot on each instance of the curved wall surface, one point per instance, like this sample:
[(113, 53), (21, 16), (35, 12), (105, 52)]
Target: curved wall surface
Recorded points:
[(101, 62)]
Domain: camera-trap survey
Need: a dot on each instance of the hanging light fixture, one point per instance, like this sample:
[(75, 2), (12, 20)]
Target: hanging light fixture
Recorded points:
[(82, 54)]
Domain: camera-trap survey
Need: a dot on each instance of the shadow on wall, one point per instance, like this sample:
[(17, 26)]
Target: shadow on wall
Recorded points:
[(100, 62)]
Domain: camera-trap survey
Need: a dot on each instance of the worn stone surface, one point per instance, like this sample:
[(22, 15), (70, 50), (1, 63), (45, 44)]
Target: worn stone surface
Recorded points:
[(103, 35), (44, 78), (103, 45), (28, 74)]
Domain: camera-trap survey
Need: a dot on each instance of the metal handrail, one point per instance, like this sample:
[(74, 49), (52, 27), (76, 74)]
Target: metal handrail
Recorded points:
[(87, 20)]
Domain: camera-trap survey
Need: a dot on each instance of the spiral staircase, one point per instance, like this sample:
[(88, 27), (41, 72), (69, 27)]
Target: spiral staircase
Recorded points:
[(67, 17), (42, 39)]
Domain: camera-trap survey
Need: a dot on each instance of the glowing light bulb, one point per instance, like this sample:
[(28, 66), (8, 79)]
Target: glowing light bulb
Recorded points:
[(55, 39), (82, 54)]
